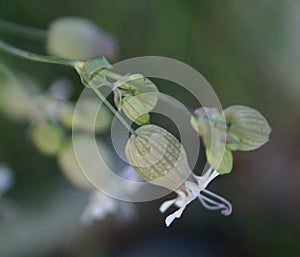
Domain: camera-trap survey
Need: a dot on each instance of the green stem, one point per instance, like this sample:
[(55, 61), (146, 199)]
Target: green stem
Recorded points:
[(112, 109), (52, 59), (113, 75), (23, 31), (32, 56)]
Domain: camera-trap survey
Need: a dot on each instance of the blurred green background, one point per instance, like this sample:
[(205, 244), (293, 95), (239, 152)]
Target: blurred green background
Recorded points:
[(249, 52)]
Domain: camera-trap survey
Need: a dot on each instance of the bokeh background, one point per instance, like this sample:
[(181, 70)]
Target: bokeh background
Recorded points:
[(249, 52)]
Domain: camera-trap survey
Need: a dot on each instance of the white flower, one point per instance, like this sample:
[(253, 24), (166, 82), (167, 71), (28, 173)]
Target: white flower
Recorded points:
[(195, 187), (159, 158), (100, 206)]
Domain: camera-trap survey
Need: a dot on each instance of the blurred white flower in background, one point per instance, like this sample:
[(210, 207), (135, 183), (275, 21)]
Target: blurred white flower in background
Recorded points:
[(6, 179), (100, 206)]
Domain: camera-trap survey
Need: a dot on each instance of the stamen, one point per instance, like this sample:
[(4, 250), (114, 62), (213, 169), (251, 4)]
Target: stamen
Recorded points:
[(222, 203), (215, 205)]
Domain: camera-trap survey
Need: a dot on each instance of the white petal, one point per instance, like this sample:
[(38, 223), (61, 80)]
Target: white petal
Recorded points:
[(166, 205), (174, 215)]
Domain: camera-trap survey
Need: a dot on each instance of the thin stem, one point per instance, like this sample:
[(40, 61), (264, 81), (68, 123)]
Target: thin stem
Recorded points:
[(112, 109), (32, 56), (23, 31), (114, 76)]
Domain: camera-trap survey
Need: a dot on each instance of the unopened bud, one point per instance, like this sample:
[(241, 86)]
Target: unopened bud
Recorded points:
[(248, 125)]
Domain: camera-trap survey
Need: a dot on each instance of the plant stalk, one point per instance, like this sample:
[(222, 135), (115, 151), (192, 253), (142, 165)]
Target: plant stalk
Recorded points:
[(5, 47)]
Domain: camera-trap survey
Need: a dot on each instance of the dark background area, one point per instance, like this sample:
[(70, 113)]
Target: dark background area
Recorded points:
[(249, 52)]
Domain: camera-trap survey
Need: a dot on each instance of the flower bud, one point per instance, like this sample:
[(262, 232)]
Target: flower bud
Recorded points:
[(248, 125), (79, 38), (48, 138), (158, 157), (135, 110), (140, 98)]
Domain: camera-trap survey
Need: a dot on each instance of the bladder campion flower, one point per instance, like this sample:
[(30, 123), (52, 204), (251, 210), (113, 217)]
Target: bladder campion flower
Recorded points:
[(159, 158)]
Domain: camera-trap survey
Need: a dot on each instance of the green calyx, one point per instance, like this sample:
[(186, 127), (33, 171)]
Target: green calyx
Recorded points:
[(248, 125), (135, 110), (236, 128), (157, 157), (88, 71)]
